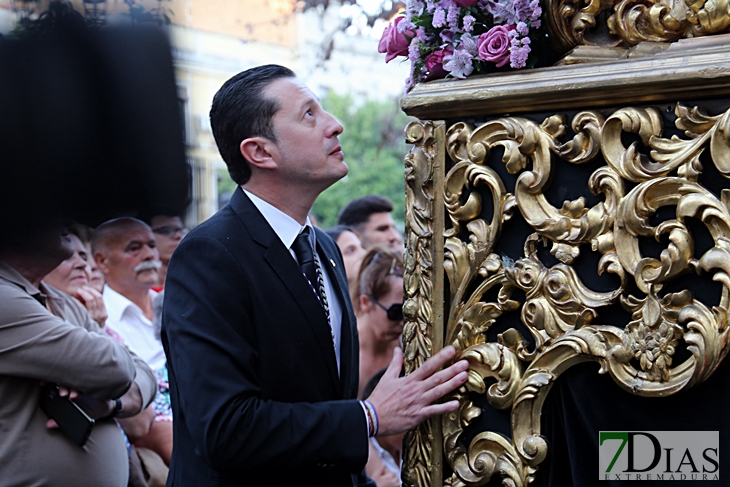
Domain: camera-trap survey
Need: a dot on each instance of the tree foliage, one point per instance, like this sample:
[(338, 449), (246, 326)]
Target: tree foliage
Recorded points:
[(374, 149), (380, 9)]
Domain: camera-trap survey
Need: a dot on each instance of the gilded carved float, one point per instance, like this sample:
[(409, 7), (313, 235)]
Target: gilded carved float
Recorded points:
[(652, 117)]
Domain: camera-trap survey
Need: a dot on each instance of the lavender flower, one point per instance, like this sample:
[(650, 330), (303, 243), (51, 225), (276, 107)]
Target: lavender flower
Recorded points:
[(414, 7), (452, 18), (468, 22), (439, 18), (523, 9), (454, 29), (535, 21), (409, 84), (447, 36), (519, 50), (414, 51), (459, 64), (503, 12), (406, 24), (536, 10), (469, 44)]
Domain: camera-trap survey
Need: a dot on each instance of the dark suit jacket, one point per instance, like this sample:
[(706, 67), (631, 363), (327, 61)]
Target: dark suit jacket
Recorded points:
[(255, 391)]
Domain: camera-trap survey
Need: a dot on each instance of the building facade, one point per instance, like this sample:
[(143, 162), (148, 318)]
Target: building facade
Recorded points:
[(214, 39)]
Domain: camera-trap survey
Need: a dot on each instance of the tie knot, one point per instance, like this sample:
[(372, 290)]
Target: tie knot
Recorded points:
[(302, 247)]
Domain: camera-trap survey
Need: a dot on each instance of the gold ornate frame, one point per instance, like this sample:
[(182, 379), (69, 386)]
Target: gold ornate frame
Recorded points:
[(451, 265)]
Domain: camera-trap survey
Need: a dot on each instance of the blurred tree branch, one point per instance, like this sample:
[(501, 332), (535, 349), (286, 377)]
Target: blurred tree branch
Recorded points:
[(383, 9)]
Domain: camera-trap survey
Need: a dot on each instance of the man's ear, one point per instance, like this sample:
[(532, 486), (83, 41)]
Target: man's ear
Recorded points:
[(100, 259), (259, 151), (365, 303)]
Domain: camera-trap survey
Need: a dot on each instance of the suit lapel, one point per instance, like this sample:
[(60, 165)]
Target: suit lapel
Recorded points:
[(287, 270)]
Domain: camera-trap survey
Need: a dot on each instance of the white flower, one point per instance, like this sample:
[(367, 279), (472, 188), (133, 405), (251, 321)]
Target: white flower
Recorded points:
[(469, 44), (459, 63)]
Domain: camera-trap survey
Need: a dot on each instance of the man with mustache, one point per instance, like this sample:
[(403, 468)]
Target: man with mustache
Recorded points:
[(126, 252), (46, 335)]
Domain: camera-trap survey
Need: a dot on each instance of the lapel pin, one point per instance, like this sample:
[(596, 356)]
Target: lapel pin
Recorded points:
[(333, 263)]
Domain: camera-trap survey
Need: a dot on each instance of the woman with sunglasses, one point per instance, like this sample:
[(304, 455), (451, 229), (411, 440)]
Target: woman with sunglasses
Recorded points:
[(378, 301)]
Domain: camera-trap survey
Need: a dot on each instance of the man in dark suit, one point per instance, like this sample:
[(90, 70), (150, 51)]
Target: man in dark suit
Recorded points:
[(258, 329)]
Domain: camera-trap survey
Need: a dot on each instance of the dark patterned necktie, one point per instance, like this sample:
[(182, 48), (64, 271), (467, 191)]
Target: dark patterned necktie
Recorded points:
[(310, 267)]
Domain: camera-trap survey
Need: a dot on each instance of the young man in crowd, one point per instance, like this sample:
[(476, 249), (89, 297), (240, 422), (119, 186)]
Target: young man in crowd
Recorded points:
[(370, 217)]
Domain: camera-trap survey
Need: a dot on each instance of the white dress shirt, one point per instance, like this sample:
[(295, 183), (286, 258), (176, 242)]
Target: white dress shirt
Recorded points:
[(287, 228), (138, 333)]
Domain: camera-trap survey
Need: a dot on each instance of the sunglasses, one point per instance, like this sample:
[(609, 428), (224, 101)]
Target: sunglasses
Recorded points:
[(394, 311), (169, 231)]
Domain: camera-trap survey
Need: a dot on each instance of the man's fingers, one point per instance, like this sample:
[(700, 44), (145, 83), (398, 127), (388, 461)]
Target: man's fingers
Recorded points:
[(396, 364), (440, 408), (446, 374), (435, 363), (437, 392), (51, 424), (67, 392), (441, 376)]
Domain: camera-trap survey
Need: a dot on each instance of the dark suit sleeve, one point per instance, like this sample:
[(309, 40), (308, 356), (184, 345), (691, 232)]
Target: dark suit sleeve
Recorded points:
[(212, 356)]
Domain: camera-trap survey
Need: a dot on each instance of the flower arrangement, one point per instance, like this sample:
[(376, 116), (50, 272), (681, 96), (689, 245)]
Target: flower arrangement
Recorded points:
[(460, 37)]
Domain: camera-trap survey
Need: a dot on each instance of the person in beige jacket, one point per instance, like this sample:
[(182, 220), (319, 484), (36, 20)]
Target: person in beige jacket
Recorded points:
[(46, 336)]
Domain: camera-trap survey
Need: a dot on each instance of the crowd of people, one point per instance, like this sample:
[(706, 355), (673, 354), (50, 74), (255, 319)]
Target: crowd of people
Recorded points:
[(138, 353), (113, 284)]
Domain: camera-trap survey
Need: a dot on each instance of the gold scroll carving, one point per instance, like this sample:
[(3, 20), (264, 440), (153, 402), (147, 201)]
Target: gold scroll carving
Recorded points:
[(560, 312), (628, 22), (423, 175)]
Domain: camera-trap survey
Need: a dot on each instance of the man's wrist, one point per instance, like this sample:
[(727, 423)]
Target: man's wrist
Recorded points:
[(371, 416), (115, 408), (118, 407)]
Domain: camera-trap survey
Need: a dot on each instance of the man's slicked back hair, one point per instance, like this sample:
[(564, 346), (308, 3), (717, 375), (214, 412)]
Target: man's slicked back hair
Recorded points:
[(240, 111), (358, 211)]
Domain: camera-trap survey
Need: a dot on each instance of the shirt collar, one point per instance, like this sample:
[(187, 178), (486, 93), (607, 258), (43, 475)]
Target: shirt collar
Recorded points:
[(285, 227), (116, 304)]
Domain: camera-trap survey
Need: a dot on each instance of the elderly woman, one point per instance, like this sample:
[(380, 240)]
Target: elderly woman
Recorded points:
[(378, 300), (73, 275)]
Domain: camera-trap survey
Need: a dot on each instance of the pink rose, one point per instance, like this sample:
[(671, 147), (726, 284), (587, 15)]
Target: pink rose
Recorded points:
[(465, 3), (435, 63), (494, 45), (394, 43)]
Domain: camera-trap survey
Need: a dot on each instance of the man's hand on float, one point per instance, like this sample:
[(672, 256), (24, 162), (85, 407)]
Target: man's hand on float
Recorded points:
[(402, 403)]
